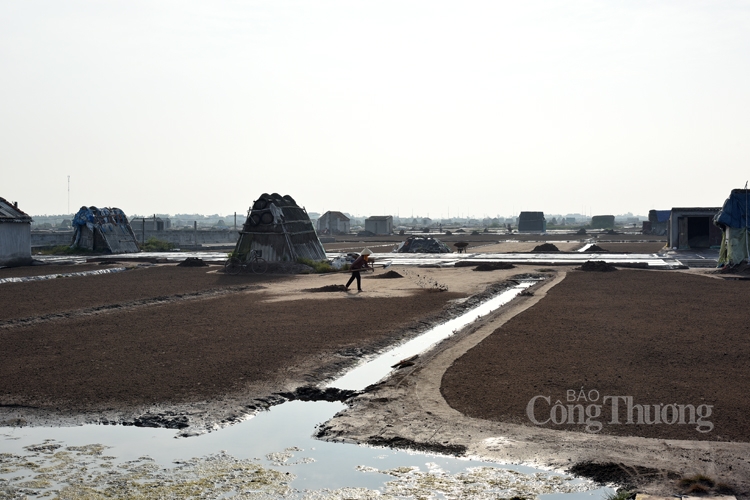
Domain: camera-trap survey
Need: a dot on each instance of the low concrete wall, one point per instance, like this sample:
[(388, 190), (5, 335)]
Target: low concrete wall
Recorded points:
[(180, 238), (43, 238)]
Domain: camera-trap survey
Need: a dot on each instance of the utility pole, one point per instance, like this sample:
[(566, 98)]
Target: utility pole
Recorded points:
[(68, 194)]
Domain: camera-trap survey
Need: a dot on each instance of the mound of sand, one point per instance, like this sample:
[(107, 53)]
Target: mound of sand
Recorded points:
[(494, 266), (546, 247), (192, 262), (388, 275), (595, 248), (327, 288), (597, 266)]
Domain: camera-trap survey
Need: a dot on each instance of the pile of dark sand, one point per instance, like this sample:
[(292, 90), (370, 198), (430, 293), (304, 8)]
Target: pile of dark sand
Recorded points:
[(597, 266), (494, 266), (546, 247), (741, 268), (192, 262), (595, 248), (327, 288), (581, 231), (388, 275)]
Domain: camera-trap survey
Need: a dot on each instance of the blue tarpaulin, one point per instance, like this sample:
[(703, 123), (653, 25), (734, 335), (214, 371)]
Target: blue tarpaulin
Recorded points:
[(735, 212), (663, 215)]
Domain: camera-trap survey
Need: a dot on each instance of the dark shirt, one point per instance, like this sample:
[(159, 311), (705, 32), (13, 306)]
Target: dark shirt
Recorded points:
[(358, 264)]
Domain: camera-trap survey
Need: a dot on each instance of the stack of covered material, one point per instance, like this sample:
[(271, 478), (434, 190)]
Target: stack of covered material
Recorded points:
[(422, 244), (733, 221), (279, 231), (103, 230)]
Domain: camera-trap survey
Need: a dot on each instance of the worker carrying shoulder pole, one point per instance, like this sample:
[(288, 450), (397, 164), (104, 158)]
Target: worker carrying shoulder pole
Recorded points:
[(359, 264)]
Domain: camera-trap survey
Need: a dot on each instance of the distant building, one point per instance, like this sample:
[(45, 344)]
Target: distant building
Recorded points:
[(152, 224), (15, 235), (603, 222), (532, 222), (103, 230), (333, 223), (657, 223), (693, 228), (379, 224)]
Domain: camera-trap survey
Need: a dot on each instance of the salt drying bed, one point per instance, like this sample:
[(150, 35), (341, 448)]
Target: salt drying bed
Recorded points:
[(269, 455)]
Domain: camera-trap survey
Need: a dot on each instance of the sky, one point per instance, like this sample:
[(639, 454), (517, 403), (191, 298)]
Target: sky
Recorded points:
[(430, 108)]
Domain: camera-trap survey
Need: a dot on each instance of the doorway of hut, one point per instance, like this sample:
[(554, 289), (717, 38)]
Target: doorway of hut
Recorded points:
[(698, 232)]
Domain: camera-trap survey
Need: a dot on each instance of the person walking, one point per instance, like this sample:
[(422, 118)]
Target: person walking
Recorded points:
[(357, 265)]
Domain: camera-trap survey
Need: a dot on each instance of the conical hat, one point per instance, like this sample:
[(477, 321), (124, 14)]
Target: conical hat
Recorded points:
[(366, 251)]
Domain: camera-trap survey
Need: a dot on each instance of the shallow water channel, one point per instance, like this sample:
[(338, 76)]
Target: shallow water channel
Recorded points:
[(269, 455)]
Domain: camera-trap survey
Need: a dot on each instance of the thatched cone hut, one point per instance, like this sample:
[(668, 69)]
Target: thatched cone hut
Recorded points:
[(280, 230)]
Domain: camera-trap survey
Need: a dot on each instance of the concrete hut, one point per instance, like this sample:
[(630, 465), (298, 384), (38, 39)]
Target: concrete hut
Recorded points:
[(15, 235), (532, 222), (603, 222), (692, 228), (334, 223), (103, 230), (732, 220), (379, 224), (280, 230)]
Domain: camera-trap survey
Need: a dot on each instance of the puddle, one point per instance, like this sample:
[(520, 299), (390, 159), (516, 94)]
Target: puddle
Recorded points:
[(270, 455), (373, 370)]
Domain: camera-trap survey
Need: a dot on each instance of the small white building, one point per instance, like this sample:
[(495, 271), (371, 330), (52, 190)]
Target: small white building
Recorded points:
[(333, 223), (15, 235), (379, 224)]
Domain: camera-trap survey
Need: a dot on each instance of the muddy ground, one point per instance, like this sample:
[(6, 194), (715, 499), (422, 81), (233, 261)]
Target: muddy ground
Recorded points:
[(652, 335), (191, 348), (195, 346)]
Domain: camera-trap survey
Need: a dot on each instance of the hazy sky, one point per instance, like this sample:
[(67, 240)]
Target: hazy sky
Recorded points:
[(374, 107)]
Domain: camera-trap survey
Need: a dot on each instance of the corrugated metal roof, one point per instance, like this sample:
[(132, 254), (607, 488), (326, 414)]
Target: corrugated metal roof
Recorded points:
[(11, 213), (379, 218)]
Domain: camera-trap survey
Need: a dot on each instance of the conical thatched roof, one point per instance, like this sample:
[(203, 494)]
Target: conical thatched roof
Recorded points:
[(281, 230)]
